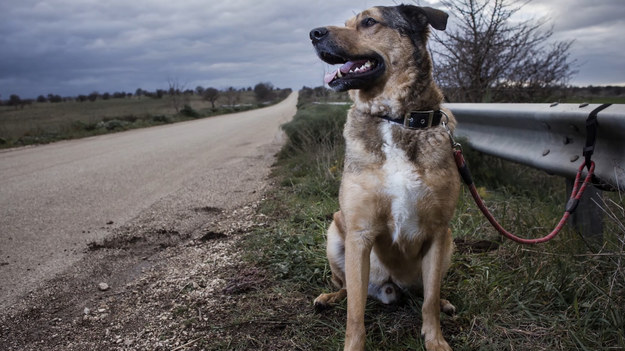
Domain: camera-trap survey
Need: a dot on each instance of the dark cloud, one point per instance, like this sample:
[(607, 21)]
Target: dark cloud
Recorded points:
[(579, 14), (596, 28), (72, 47)]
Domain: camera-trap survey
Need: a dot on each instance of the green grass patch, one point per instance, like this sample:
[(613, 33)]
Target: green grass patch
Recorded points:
[(595, 99), (556, 296)]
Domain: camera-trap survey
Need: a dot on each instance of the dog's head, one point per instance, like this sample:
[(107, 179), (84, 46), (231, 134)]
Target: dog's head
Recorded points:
[(378, 46)]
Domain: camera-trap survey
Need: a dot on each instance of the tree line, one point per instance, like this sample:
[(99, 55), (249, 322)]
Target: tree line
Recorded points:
[(263, 92)]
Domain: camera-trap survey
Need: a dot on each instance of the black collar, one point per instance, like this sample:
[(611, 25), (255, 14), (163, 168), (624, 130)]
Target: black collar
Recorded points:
[(417, 119)]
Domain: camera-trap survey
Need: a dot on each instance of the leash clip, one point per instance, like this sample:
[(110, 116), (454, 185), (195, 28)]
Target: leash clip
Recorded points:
[(454, 144)]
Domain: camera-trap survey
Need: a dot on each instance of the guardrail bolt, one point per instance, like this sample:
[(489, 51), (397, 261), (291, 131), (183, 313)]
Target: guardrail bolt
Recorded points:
[(567, 140), (574, 158), (546, 152)]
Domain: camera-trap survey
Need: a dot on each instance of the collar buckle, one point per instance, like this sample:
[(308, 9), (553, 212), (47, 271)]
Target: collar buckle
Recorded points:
[(419, 119)]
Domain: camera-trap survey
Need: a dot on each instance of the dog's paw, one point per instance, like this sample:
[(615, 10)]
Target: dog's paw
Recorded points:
[(320, 304), (447, 307), (434, 340), (325, 301), (437, 345)]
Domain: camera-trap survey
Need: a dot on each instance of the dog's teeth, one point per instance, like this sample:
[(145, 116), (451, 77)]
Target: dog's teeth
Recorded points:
[(360, 69), (339, 74)]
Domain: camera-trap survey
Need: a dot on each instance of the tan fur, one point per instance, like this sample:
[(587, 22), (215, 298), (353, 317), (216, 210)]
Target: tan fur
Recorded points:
[(399, 187)]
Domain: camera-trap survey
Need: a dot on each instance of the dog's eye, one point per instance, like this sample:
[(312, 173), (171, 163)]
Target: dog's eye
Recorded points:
[(368, 22)]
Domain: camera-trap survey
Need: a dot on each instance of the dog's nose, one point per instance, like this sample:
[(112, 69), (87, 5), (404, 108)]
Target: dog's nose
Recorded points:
[(318, 34)]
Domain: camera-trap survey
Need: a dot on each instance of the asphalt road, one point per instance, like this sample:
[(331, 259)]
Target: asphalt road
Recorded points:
[(57, 198)]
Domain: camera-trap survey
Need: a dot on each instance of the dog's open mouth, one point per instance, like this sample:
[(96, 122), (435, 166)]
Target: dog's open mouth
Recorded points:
[(353, 72), (350, 69)]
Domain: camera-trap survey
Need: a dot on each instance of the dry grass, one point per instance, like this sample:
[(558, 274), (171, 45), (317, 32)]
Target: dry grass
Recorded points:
[(47, 122)]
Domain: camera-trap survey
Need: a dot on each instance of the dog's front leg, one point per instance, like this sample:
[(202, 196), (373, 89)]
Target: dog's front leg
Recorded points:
[(432, 271), (357, 265)]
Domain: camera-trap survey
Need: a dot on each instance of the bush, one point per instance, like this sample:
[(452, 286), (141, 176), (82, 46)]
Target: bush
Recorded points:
[(114, 124), (264, 92), (80, 126), (315, 147), (315, 125), (161, 119), (189, 112)]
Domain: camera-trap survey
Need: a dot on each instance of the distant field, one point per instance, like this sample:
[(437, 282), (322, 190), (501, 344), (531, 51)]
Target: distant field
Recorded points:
[(47, 122), (596, 99)]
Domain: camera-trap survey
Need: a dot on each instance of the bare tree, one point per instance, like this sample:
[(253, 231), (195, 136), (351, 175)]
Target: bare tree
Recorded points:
[(487, 57), (14, 100), (232, 96), (178, 98), (211, 94)]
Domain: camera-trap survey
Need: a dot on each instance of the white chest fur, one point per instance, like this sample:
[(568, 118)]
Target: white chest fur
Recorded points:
[(403, 185)]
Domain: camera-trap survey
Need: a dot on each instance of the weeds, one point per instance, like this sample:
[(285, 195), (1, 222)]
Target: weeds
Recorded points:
[(557, 296)]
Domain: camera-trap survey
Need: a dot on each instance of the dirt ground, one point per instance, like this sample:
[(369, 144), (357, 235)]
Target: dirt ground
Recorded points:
[(163, 289), (172, 277)]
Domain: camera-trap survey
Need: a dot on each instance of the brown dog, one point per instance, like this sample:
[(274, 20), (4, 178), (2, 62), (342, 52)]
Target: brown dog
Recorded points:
[(400, 184)]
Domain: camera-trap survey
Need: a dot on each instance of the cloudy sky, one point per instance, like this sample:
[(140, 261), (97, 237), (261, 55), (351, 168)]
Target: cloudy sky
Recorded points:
[(72, 47)]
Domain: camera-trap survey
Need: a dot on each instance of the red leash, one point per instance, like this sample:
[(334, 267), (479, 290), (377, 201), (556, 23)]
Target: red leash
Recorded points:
[(571, 205), (576, 193)]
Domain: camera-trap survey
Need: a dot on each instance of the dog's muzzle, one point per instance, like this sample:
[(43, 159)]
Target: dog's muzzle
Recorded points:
[(357, 71), (318, 34)]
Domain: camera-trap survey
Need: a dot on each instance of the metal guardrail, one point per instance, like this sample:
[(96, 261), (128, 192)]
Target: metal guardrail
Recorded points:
[(547, 137)]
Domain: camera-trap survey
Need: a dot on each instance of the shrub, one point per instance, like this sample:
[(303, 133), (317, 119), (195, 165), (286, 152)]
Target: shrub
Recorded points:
[(189, 112), (80, 126), (114, 124), (161, 119), (315, 125), (264, 92)]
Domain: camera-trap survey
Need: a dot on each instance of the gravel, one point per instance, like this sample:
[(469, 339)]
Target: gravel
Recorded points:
[(160, 297)]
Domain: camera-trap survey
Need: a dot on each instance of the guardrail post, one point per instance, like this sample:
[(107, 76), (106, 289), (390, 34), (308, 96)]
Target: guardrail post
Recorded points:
[(588, 217)]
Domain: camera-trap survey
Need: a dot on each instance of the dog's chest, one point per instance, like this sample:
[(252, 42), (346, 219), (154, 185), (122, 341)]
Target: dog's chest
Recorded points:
[(403, 185)]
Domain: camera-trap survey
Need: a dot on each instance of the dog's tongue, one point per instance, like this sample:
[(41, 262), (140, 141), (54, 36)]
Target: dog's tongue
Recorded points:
[(329, 77), (344, 70)]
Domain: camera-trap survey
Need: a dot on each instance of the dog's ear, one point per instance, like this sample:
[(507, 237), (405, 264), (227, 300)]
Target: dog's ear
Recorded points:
[(436, 18), (424, 15)]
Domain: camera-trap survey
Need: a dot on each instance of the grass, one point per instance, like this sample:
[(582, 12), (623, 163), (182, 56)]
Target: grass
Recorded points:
[(40, 123), (556, 296), (595, 99)]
